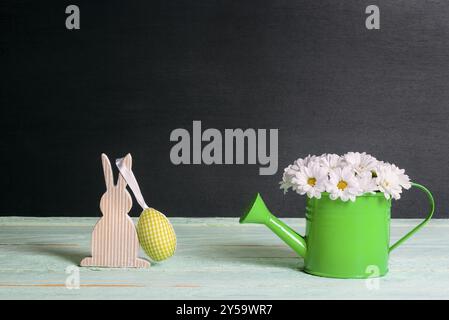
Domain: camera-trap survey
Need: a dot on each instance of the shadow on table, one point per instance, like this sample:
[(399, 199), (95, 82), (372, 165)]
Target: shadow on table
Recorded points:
[(69, 253), (258, 255), (73, 255)]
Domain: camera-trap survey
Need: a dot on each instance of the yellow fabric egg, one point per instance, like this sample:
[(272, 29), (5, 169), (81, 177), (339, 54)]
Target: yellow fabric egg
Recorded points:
[(156, 235)]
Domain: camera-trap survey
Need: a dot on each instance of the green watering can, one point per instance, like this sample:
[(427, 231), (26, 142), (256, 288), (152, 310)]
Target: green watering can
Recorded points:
[(343, 239)]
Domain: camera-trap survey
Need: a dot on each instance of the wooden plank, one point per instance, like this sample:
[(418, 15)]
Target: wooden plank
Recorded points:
[(216, 259)]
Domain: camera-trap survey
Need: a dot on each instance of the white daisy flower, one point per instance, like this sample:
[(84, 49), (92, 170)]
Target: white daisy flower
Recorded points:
[(292, 170), (306, 161), (404, 180), (286, 182), (367, 183), (310, 180), (360, 162), (344, 177), (343, 184), (289, 173), (390, 180), (330, 161)]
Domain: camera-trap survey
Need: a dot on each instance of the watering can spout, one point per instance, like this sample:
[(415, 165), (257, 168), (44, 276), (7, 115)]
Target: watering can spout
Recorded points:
[(259, 213)]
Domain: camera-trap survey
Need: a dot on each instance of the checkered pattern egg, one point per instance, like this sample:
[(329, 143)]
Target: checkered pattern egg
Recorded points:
[(156, 235)]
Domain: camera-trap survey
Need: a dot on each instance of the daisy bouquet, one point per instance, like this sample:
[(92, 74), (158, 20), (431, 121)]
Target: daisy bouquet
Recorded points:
[(344, 177)]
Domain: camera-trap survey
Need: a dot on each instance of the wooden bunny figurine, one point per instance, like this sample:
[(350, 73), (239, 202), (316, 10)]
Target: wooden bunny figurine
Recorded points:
[(114, 239)]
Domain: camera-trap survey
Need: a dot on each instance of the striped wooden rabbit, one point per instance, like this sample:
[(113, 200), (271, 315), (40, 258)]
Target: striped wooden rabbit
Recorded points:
[(114, 239)]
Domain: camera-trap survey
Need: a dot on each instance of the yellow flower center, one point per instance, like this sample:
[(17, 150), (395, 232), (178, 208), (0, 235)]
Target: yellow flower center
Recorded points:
[(311, 182), (342, 185)]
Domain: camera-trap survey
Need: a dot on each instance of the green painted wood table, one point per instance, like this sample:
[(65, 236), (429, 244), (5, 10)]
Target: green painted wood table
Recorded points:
[(216, 258)]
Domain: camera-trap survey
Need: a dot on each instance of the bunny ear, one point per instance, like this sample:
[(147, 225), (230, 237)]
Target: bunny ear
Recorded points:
[(128, 163), (107, 170)]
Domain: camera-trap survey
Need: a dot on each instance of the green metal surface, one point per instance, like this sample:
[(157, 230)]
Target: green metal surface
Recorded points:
[(422, 224), (342, 239), (347, 239)]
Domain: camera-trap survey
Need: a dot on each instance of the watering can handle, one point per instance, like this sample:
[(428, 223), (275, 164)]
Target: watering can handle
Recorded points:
[(419, 226)]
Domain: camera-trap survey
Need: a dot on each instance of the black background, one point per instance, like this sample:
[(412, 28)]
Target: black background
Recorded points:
[(136, 70)]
